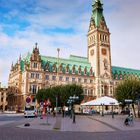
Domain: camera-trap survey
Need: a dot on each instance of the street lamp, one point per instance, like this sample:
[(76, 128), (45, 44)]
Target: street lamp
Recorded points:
[(73, 99), (58, 50), (102, 104), (69, 102), (112, 103)]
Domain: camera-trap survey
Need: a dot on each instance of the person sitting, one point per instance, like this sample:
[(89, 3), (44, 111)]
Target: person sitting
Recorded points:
[(126, 122), (129, 119)]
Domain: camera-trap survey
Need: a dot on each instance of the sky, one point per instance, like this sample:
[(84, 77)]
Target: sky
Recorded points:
[(64, 24)]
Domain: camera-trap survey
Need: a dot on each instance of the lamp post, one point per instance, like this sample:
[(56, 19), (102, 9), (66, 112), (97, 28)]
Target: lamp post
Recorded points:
[(102, 109), (73, 99), (69, 102), (58, 50), (112, 103)]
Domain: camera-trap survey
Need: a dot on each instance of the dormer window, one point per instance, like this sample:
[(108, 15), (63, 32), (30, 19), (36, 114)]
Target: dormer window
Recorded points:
[(91, 71), (54, 68), (47, 67), (120, 76), (85, 71), (116, 76), (67, 69), (73, 69), (79, 70), (60, 68)]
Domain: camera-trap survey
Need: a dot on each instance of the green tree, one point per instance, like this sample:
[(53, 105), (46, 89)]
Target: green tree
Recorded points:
[(128, 89), (61, 92)]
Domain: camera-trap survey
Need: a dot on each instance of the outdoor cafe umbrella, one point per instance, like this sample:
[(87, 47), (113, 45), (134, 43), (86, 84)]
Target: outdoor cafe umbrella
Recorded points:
[(101, 101)]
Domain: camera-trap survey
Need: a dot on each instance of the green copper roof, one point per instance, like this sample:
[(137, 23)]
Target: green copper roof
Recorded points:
[(72, 61), (76, 61), (124, 72), (97, 12)]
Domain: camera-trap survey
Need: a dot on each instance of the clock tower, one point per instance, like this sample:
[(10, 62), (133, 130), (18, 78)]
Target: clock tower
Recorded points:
[(99, 54)]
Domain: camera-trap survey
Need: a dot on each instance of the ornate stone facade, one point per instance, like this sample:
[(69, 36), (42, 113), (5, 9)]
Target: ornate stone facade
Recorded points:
[(3, 98), (95, 73)]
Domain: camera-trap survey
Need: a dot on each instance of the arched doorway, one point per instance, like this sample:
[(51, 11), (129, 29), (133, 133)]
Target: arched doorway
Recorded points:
[(105, 90)]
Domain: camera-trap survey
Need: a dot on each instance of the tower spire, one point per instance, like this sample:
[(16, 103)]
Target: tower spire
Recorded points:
[(97, 12)]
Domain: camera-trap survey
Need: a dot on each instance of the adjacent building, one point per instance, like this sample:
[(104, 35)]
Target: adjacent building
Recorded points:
[(94, 72), (3, 98)]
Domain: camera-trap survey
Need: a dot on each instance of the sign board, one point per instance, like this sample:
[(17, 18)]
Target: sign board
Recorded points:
[(28, 100), (128, 100), (112, 103)]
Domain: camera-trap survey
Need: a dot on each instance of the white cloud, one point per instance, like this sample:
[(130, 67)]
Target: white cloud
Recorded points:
[(122, 19), (4, 65)]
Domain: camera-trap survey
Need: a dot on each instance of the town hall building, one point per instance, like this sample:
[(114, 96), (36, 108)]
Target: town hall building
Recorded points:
[(95, 72)]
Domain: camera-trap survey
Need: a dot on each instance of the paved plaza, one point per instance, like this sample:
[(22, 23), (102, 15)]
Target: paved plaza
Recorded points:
[(59, 128), (94, 123)]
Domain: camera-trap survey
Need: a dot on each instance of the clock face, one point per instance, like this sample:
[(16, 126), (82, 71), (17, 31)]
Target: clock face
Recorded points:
[(92, 52), (104, 51)]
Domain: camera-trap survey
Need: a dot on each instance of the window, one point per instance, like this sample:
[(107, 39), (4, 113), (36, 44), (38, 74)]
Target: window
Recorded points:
[(91, 81), (79, 70), (79, 80), (85, 70), (91, 92), (33, 89), (1, 99), (60, 78), (35, 65), (32, 75), (37, 76), (85, 80), (67, 78), (73, 79), (102, 89), (54, 78), (73, 69), (111, 90), (120, 76), (47, 77), (86, 91)]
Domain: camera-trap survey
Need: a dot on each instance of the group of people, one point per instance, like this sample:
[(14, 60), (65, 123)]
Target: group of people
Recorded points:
[(129, 119)]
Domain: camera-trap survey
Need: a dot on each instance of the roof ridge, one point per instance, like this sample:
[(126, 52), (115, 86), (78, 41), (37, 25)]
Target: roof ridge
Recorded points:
[(126, 68), (78, 56), (66, 59)]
